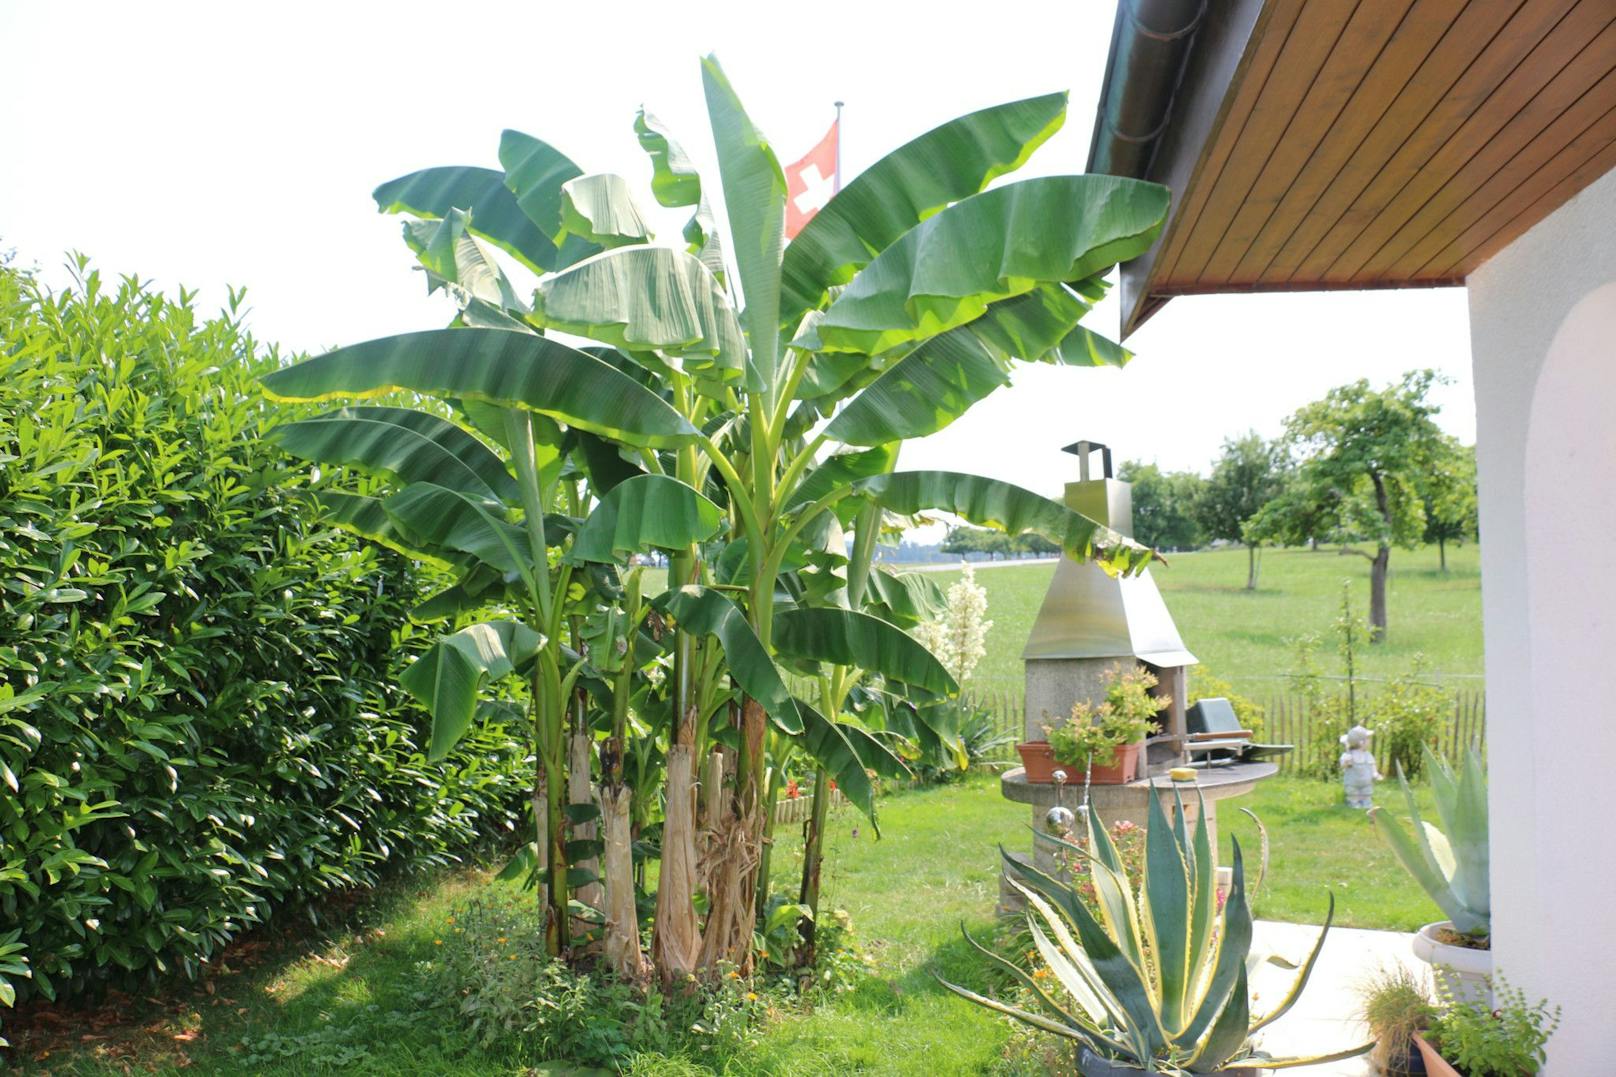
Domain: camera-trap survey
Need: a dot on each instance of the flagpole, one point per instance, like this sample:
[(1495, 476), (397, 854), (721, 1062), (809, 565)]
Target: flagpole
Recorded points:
[(836, 183)]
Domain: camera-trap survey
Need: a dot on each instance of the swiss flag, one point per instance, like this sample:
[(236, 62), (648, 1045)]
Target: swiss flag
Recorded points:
[(810, 182)]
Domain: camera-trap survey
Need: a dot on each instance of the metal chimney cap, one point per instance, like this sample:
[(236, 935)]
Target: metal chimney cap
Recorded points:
[(1082, 449)]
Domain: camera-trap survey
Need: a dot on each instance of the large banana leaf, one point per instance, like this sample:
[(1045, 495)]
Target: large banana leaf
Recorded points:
[(455, 261), (840, 470), (905, 187), (709, 613), (601, 209), (493, 366), (849, 638), (1009, 508), (947, 270), (941, 379), (434, 192), (674, 179), (535, 173), (439, 516), (447, 678), (922, 392), (849, 755), (904, 598), (755, 199), (645, 511), (643, 297), (407, 445), (675, 182), (367, 518)]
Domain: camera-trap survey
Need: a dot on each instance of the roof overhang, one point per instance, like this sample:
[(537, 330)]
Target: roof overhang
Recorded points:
[(1373, 144)]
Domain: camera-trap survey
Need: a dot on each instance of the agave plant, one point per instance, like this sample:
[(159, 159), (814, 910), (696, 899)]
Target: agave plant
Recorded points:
[(732, 412), (1450, 863), (1158, 980)]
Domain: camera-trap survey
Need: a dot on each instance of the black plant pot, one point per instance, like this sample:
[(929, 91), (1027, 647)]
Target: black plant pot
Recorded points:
[(1410, 1063)]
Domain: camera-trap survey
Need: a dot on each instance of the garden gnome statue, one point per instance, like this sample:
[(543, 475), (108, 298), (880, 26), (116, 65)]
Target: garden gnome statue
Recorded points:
[(1358, 772)]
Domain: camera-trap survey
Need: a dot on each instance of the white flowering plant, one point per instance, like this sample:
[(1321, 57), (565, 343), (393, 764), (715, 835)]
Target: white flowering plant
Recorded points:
[(958, 638)]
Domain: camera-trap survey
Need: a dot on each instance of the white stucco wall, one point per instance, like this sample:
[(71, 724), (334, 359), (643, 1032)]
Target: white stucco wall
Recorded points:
[(1543, 338)]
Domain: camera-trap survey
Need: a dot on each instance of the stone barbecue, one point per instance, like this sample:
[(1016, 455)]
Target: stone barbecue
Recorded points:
[(1089, 625)]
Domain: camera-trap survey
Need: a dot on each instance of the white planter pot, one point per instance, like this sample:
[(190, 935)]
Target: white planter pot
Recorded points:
[(1466, 972)]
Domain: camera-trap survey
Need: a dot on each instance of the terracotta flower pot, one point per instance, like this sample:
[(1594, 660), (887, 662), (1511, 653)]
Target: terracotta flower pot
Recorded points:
[(1435, 1064), (1038, 759), (1121, 770)]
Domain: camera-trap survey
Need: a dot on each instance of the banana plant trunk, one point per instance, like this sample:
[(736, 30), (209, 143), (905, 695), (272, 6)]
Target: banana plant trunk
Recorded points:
[(622, 928), (581, 792), (676, 944), (771, 799), (813, 858), (737, 851)]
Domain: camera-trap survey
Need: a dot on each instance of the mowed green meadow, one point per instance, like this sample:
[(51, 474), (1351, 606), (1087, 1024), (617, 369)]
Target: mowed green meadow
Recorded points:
[(1249, 637)]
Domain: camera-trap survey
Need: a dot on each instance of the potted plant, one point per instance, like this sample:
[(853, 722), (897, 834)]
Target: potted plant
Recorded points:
[(1397, 1006), (1451, 865), (1157, 982), (1107, 736), (1471, 1037), (1037, 758)]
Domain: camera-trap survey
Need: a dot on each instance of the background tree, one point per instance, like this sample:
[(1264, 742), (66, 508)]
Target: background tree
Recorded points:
[(994, 544), (1245, 478), (1448, 492), (1362, 454), (1164, 505)]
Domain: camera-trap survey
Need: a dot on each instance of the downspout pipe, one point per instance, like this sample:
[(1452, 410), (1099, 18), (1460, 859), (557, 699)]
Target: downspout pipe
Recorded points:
[(1150, 41)]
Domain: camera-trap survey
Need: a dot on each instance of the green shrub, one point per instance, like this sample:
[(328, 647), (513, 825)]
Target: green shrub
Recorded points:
[(1406, 717), (198, 713)]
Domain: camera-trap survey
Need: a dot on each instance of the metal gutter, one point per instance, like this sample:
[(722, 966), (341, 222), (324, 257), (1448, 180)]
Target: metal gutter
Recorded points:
[(1150, 41)]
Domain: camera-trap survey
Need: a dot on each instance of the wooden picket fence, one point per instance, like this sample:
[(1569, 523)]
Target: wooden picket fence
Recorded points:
[(1289, 720), (797, 809)]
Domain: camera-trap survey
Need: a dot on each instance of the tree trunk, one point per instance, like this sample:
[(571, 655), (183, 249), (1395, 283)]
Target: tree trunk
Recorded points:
[(1377, 594), (1442, 552), (1251, 568), (676, 944), (813, 858), (623, 954), (736, 854)]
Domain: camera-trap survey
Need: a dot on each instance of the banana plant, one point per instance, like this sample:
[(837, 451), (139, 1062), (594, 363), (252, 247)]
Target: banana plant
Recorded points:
[(1158, 979), (502, 509), (770, 383), (1451, 863)]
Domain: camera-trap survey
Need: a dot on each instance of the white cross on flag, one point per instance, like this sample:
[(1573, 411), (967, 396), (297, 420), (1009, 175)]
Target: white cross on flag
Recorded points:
[(810, 182)]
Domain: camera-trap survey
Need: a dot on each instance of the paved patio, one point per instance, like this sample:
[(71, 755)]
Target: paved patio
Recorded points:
[(1325, 1018)]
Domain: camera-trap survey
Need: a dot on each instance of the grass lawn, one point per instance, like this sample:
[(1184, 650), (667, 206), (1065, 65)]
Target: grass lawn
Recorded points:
[(352, 1002), (1245, 636)]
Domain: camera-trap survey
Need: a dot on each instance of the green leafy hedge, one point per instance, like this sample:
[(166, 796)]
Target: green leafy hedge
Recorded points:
[(199, 718)]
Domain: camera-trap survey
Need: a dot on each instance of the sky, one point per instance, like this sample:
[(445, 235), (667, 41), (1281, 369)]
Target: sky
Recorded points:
[(208, 144)]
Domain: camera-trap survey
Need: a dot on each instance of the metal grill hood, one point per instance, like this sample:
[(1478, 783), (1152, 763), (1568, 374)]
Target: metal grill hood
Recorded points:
[(1088, 614)]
